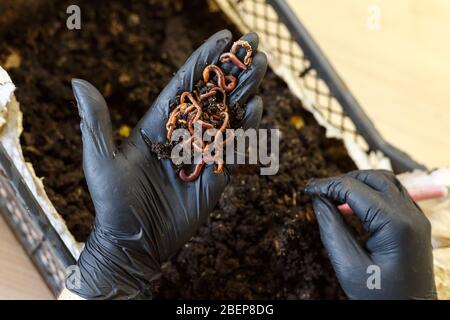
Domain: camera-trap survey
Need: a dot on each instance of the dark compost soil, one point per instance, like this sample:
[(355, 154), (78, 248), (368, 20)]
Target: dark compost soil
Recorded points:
[(261, 241)]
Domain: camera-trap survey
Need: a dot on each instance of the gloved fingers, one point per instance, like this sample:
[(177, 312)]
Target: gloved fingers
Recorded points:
[(380, 180), (215, 183), (344, 251), (386, 183), (249, 80), (210, 187), (253, 113), (229, 67), (389, 175), (251, 120), (395, 191), (206, 54), (365, 202), (184, 80), (95, 121)]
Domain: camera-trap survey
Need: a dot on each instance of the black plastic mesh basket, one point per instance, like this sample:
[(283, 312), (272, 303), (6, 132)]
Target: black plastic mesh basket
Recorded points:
[(296, 57), (292, 54), (31, 226)]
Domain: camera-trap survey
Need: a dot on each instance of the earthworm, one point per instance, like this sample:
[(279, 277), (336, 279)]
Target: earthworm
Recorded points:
[(242, 43), (183, 96), (170, 131), (232, 82), (192, 142), (194, 103), (205, 125), (222, 107), (197, 95), (215, 159), (228, 139), (184, 107), (188, 109), (226, 121), (173, 114), (196, 107), (173, 118), (213, 92), (191, 125), (217, 71), (193, 175), (225, 124), (199, 109), (219, 168), (220, 78), (205, 96), (199, 149), (171, 123), (231, 57)]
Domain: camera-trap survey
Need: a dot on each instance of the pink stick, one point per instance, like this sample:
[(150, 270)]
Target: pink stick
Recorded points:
[(417, 194)]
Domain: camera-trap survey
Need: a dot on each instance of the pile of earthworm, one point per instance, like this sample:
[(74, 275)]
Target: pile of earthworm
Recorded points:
[(206, 106)]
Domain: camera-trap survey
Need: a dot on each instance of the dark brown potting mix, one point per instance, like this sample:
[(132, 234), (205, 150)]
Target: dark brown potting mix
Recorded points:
[(261, 241)]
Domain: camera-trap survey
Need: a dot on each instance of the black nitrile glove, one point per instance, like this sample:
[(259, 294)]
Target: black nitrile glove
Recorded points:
[(144, 212), (399, 243)]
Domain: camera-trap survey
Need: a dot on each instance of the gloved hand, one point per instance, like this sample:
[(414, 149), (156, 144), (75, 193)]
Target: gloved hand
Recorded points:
[(399, 243), (144, 212)]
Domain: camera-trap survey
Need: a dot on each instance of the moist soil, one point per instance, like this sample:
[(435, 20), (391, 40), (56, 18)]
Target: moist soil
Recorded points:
[(262, 240)]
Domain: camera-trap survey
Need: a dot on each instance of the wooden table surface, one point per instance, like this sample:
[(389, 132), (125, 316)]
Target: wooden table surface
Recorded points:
[(394, 56), (18, 277)]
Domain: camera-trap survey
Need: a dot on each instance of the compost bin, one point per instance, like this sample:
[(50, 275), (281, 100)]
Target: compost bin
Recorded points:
[(261, 241)]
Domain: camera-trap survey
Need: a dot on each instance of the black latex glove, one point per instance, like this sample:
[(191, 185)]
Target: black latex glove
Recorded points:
[(144, 212), (400, 236)]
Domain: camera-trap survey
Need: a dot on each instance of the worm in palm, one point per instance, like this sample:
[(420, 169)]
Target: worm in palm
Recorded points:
[(207, 106)]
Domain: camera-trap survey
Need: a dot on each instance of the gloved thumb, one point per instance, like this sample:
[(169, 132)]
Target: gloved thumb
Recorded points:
[(98, 143), (344, 251)]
